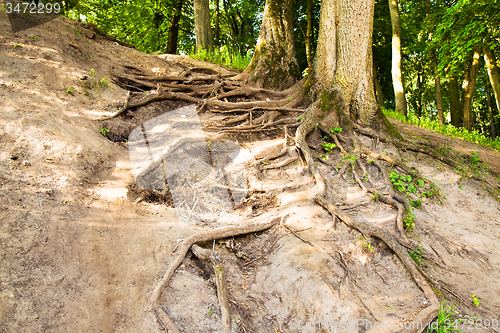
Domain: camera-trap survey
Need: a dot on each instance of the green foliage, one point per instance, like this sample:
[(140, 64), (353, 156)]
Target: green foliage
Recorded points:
[(328, 146), (323, 157), (104, 131), (409, 221), (69, 91), (417, 255), (445, 322), (375, 196), (474, 299), (349, 157), (224, 57), (432, 124), (369, 245), (92, 72), (336, 130)]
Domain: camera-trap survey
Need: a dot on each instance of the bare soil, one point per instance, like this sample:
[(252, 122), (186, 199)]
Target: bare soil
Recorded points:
[(80, 252)]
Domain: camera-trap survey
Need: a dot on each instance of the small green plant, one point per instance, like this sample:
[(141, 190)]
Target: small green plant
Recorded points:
[(475, 158), (415, 203), (92, 72), (299, 119), (17, 46), (369, 245), (444, 323), (474, 299), (409, 221), (104, 131), (34, 37), (461, 186), (78, 32), (375, 196), (328, 146), (336, 130), (323, 157), (69, 91), (349, 157), (417, 255), (104, 82)]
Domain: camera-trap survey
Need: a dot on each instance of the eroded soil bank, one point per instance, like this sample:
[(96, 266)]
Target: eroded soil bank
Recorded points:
[(80, 252)]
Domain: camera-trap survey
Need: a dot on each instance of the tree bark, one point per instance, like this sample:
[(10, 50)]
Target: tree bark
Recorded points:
[(455, 107), (493, 73), (203, 31), (397, 77), (173, 30), (343, 68), (274, 64), (468, 88)]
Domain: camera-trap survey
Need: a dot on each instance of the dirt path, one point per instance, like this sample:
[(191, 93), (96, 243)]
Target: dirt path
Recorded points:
[(79, 253)]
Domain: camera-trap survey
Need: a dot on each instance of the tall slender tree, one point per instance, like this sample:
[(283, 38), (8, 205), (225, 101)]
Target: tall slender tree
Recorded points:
[(397, 76)]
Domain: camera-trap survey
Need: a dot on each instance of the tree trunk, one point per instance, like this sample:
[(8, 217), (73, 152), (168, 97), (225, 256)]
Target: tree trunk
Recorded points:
[(173, 30), (202, 28), (308, 37), (437, 83), (437, 79), (274, 64), (217, 23), (455, 107), (344, 65), (468, 88), (419, 90), (378, 87), (397, 77), (493, 73), (493, 131)]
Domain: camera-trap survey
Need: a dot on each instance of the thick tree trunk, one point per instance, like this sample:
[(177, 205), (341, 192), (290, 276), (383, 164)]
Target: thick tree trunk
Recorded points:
[(274, 64), (455, 107), (202, 28), (419, 90), (468, 88), (493, 73), (397, 76), (173, 31), (343, 68)]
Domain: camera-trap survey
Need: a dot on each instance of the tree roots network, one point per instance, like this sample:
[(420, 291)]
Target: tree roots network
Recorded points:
[(328, 158)]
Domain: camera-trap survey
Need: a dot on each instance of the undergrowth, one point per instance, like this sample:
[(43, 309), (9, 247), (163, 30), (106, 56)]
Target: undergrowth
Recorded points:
[(433, 124), (223, 57)]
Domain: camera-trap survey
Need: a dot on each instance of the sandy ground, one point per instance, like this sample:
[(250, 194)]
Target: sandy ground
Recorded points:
[(78, 254)]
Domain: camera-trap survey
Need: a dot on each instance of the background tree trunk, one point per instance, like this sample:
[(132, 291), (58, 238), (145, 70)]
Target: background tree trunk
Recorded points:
[(468, 88), (274, 64), (378, 87), (493, 131), (308, 36), (493, 73), (397, 77), (455, 107), (217, 23), (173, 30), (437, 83), (202, 28)]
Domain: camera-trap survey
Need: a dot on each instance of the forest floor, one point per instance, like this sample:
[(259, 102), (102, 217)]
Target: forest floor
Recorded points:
[(82, 249)]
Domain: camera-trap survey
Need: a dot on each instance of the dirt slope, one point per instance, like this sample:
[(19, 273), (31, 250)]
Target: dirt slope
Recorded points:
[(79, 254)]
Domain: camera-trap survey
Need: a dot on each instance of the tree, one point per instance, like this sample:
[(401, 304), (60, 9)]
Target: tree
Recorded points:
[(203, 31), (173, 30), (493, 72), (274, 64), (468, 87), (397, 77)]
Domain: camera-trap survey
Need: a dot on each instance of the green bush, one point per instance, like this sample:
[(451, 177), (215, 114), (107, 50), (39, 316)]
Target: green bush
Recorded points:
[(432, 124), (223, 57)]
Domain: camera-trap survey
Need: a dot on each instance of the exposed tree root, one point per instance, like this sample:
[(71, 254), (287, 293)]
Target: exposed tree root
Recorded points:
[(184, 248), (266, 110)]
